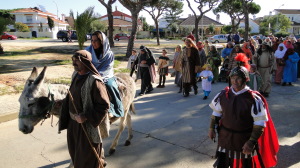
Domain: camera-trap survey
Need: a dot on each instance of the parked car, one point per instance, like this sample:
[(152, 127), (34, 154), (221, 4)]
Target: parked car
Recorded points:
[(121, 36), (219, 38), (8, 36), (63, 35), (260, 36)]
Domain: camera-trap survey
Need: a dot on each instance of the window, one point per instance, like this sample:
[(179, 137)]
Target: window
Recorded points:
[(29, 19)]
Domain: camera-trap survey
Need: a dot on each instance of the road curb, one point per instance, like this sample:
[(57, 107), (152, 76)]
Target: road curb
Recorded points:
[(8, 117)]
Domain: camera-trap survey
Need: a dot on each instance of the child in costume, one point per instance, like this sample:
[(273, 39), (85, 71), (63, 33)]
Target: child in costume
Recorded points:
[(207, 77), (163, 64), (255, 81), (131, 64)]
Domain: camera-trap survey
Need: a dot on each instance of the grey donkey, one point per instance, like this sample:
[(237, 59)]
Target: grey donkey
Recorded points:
[(40, 100)]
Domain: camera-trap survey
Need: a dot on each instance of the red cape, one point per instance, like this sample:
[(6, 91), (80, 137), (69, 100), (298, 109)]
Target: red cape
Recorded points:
[(268, 141)]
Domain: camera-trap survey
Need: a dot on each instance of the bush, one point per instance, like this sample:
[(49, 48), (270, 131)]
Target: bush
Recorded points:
[(281, 34), (21, 27)]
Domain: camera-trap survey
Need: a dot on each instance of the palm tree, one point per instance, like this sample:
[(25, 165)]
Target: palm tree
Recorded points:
[(83, 24)]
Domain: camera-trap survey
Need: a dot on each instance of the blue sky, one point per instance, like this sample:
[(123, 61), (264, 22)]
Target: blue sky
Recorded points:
[(64, 6)]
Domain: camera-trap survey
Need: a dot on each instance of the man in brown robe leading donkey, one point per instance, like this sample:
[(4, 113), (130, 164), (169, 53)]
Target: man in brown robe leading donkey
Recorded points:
[(84, 110)]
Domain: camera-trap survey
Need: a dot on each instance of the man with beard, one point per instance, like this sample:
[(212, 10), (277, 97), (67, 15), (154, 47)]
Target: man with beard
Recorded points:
[(84, 109), (265, 62)]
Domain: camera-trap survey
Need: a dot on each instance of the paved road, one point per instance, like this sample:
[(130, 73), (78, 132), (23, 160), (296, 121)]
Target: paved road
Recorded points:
[(138, 41), (170, 131)]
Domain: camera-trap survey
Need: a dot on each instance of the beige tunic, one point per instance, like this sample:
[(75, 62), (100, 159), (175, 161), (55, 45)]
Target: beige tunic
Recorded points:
[(265, 65)]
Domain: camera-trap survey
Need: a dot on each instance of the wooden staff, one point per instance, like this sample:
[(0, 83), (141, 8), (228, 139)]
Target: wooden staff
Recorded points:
[(86, 134)]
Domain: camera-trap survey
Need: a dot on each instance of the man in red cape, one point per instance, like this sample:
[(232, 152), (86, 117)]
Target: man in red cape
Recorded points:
[(246, 134)]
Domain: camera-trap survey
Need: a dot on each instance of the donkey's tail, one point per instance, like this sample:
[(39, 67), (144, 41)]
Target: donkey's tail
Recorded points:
[(132, 108)]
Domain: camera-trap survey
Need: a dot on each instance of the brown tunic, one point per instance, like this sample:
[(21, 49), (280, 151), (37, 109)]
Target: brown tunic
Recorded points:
[(236, 122), (80, 151), (190, 63)]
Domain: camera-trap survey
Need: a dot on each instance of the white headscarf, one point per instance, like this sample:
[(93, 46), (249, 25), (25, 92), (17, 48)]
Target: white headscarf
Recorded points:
[(278, 53)]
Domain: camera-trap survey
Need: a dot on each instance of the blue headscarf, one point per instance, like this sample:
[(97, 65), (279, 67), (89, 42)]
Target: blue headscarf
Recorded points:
[(105, 62)]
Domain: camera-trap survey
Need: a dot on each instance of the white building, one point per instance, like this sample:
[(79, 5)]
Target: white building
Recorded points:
[(254, 26), (294, 16), (37, 22)]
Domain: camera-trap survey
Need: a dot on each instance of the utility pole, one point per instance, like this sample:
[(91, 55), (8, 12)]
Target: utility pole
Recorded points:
[(277, 19)]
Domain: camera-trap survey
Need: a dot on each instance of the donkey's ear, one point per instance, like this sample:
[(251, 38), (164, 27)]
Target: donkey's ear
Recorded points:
[(41, 77), (33, 74)]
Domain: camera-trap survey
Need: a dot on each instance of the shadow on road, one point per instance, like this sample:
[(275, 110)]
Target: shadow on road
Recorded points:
[(288, 155), (56, 164)]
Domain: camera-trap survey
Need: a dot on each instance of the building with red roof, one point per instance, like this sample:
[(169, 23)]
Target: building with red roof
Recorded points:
[(122, 22)]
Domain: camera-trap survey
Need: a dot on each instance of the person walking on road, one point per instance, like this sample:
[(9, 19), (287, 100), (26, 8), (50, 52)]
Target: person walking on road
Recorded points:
[(246, 134), (207, 77), (69, 35), (214, 59), (163, 69), (290, 69), (130, 64), (146, 70), (177, 65), (279, 54), (190, 66), (84, 109), (265, 62), (201, 53)]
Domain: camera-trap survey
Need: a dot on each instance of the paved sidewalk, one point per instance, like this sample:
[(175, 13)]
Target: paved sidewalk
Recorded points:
[(9, 107)]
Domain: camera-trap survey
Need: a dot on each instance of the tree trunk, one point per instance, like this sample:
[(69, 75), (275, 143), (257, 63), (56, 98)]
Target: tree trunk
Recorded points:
[(233, 29), (133, 33), (197, 30), (157, 32), (110, 26), (246, 13), (246, 26), (197, 20)]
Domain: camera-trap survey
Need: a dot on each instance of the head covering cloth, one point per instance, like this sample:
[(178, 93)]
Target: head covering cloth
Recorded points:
[(278, 53), (85, 57)]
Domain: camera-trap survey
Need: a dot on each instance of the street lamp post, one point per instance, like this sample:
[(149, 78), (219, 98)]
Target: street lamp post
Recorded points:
[(57, 16), (202, 29)]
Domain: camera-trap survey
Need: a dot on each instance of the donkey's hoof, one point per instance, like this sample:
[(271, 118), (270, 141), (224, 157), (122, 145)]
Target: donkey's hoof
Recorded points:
[(127, 143), (111, 151)]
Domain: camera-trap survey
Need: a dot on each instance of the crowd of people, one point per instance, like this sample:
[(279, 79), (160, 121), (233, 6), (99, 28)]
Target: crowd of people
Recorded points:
[(272, 60), (249, 67)]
